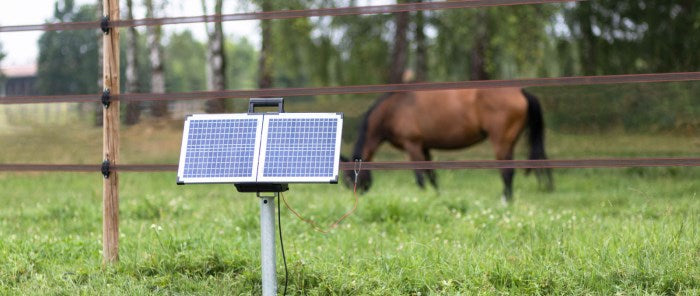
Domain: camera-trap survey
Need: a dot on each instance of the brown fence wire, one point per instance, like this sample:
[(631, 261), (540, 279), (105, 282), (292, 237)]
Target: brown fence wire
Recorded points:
[(282, 14), (360, 89), (406, 165)]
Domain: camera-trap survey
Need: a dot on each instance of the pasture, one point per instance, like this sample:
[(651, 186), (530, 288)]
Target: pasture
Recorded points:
[(603, 231)]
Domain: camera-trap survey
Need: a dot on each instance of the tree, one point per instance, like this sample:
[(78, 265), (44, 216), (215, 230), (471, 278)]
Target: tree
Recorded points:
[(158, 108), (97, 114), (363, 49), (264, 64), (480, 41), (217, 58), (133, 109), (581, 22), (187, 60), (624, 37), (421, 47), (2, 56), (498, 42), (399, 53), (241, 74), (2, 75), (293, 50), (609, 35), (68, 59)]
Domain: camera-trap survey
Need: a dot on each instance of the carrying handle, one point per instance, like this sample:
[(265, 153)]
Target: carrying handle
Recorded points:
[(266, 102)]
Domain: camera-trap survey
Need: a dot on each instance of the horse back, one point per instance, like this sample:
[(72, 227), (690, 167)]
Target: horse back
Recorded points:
[(451, 119)]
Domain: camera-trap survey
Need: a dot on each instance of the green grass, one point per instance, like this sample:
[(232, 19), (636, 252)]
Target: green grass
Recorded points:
[(603, 231)]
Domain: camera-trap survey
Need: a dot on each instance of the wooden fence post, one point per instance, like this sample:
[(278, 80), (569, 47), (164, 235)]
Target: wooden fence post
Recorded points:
[(110, 137)]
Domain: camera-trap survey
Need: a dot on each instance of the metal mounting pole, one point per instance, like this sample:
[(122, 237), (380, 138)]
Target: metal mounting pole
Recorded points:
[(267, 246)]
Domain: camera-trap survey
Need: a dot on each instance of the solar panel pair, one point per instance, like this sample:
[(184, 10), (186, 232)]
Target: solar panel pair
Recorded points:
[(260, 148)]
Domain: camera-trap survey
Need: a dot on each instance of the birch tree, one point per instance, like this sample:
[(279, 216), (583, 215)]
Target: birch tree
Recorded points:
[(264, 64), (216, 76), (158, 108), (133, 108)]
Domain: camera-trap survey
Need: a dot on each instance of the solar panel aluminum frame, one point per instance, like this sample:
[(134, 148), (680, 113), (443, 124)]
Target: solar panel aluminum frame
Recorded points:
[(219, 180), (287, 179)]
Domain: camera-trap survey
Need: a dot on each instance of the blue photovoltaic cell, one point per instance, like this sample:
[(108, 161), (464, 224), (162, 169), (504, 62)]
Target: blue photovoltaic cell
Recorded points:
[(220, 148), (300, 147)]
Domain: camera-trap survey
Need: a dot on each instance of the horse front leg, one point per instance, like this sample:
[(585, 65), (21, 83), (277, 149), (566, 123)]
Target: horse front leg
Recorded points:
[(415, 153), (432, 177)]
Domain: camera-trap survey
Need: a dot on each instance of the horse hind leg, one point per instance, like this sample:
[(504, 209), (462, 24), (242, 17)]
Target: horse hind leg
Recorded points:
[(504, 151), (507, 175)]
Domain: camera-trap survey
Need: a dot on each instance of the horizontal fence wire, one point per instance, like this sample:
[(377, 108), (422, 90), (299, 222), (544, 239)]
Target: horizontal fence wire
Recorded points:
[(363, 89), (281, 14), (524, 164), (405, 165)]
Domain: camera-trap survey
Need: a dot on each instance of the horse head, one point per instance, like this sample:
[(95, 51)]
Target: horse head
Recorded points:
[(364, 178)]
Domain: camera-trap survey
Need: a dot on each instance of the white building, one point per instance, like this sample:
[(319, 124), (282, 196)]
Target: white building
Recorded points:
[(22, 81)]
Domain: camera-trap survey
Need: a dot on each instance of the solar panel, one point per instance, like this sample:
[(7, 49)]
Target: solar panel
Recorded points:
[(220, 148), (261, 148), (300, 148)]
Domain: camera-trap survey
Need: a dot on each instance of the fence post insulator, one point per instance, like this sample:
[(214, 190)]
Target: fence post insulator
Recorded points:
[(104, 24), (106, 98), (105, 168)]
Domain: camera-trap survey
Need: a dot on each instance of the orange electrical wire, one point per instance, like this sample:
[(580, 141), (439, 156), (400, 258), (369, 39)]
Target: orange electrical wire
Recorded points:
[(313, 224)]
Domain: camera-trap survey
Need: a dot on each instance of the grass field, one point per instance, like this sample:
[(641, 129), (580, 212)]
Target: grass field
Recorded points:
[(603, 231)]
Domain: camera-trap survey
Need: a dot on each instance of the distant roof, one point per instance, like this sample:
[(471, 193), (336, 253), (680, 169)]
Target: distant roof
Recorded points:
[(19, 71)]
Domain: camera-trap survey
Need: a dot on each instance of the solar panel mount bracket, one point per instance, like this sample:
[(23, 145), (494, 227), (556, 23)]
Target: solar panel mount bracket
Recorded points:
[(265, 102), (261, 187)]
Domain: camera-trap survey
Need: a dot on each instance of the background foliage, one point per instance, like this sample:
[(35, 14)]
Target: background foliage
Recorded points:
[(585, 38)]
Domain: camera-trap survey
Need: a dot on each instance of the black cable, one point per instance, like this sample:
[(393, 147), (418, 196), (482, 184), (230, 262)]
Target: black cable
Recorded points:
[(284, 258)]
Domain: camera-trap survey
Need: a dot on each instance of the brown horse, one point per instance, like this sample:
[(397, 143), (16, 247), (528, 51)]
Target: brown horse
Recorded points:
[(451, 119)]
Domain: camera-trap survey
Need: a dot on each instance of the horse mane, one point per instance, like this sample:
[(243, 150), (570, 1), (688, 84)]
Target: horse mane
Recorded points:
[(362, 132)]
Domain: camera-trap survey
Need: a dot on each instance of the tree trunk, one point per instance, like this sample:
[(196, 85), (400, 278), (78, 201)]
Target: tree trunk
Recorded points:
[(421, 50), (399, 53), (133, 109), (216, 79), (478, 52), (97, 115), (589, 61), (264, 67), (158, 108)]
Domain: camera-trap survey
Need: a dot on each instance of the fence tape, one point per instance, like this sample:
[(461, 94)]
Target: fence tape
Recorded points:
[(281, 14), (405, 165), (364, 89)]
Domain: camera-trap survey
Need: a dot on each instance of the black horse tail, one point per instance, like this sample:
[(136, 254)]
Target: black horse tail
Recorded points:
[(535, 124)]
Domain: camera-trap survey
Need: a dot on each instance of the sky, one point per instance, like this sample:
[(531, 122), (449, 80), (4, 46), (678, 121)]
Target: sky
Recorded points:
[(22, 50)]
